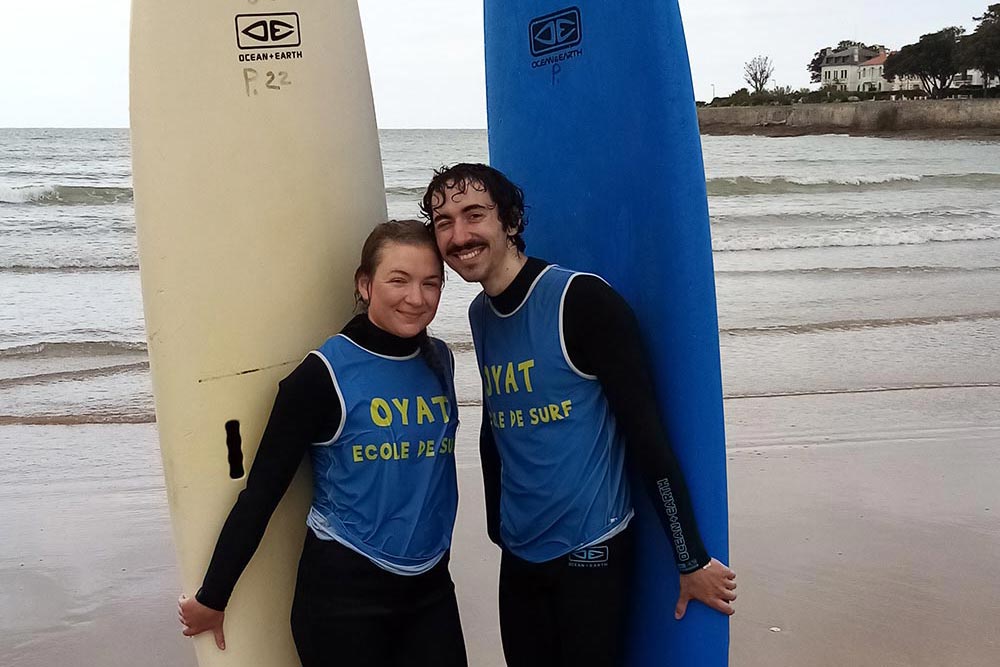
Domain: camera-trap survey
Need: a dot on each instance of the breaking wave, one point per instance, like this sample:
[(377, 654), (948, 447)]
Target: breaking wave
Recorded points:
[(64, 194), (751, 185)]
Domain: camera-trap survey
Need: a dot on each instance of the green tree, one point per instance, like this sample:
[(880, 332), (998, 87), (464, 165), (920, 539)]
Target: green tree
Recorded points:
[(933, 60), (981, 49), (815, 67), (991, 15)]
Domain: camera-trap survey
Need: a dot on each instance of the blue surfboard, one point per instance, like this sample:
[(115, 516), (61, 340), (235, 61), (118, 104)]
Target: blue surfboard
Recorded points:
[(591, 112)]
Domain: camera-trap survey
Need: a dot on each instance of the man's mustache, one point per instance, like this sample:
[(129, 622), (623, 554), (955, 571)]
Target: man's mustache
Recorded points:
[(456, 249)]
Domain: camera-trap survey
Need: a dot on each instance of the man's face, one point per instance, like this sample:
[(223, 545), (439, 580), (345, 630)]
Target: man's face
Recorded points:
[(469, 233)]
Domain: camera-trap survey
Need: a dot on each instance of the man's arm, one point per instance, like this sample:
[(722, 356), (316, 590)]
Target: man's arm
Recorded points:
[(490, 460), (603, 339)]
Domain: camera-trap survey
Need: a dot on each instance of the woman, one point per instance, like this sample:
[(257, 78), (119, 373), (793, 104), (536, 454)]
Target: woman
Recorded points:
[(375, 408)]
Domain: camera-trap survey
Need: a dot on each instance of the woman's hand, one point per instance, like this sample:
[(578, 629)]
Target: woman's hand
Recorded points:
[(197, 618), (713, 585)]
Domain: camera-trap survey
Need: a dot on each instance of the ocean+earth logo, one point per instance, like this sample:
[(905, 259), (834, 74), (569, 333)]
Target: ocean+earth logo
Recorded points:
[(555, 32), (591, 556), (267, 31)]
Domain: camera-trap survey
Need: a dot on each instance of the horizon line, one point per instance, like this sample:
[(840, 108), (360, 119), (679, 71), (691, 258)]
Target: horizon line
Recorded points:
[(126, 127)]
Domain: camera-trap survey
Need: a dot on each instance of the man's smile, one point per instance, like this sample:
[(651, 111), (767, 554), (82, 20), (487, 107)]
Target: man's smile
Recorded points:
[(465, 254)]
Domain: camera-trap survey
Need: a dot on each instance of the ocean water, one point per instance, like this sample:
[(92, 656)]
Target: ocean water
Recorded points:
[(843, 265)]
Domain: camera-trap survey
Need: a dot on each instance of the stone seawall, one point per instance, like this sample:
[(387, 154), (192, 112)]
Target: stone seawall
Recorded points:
[(932, 116)]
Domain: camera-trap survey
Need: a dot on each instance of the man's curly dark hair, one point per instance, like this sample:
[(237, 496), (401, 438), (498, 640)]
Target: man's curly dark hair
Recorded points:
[(509, 198)]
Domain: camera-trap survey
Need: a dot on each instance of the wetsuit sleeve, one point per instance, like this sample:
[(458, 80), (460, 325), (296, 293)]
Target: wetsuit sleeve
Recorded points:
[(603, 339), (490, 460), (305, 410)]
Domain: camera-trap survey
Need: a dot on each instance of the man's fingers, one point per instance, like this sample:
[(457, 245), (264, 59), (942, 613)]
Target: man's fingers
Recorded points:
[(719, 566), (220, 638), (724, 607), (189, 632), (681, 608), (714, 585)]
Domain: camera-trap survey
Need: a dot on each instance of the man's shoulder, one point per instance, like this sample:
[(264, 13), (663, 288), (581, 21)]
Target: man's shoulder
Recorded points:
[(590, 295), (569, 275), (591, 284), (579, 290), (572, 275), (478, 302)]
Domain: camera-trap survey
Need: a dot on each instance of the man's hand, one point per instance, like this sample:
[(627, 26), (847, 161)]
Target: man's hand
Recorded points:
[(713, 585), (197, 618)]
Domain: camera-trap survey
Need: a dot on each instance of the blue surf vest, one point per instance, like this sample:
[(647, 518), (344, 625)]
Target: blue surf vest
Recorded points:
[(562, 480), (385, 484)]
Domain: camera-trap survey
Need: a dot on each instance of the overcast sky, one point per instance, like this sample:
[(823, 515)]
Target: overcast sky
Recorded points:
[(65, 62)]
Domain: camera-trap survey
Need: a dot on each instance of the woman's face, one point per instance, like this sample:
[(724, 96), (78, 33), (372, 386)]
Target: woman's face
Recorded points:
[(403, 294)]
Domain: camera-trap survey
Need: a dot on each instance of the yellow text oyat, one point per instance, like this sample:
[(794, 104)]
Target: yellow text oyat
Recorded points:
[(385, 412)]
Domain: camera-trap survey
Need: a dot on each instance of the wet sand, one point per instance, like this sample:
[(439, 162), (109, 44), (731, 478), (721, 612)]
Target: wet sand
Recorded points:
[(866, 527)]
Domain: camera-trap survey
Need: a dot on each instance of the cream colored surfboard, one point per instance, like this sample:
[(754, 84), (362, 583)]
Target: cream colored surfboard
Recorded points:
[(257, 176)]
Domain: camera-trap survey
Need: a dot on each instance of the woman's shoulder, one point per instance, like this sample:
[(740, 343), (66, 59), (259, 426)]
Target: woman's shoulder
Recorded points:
[(310, 376), (440, 345)]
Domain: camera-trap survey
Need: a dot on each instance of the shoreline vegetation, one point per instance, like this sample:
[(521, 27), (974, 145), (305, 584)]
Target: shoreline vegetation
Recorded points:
[(912, 119)]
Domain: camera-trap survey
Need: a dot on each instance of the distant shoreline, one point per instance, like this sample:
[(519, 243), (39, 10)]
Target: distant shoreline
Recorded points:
[(912, 119), (798, 131)]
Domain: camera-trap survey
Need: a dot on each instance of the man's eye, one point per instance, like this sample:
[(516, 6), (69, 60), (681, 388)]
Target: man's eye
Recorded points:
[(442, 224)]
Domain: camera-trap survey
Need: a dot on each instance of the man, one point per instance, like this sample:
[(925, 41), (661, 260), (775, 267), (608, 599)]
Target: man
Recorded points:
[(566, 395)]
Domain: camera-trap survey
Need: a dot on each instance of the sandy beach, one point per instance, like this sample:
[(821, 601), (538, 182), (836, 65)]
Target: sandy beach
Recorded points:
[(866, 527)]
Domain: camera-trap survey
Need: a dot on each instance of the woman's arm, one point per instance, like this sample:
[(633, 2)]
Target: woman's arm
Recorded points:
[(305, 410)]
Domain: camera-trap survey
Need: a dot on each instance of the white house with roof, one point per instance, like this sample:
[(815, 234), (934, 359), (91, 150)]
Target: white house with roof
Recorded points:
[(841, 72), (871, 77), (842, 69)]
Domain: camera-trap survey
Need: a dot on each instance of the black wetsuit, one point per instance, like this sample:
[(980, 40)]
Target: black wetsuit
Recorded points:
[(564, 611), (347, 610)]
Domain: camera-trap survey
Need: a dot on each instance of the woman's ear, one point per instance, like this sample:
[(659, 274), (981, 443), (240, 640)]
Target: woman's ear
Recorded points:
[(364, 289)]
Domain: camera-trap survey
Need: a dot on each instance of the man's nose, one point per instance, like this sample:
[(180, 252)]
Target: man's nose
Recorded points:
[(460, 233)]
